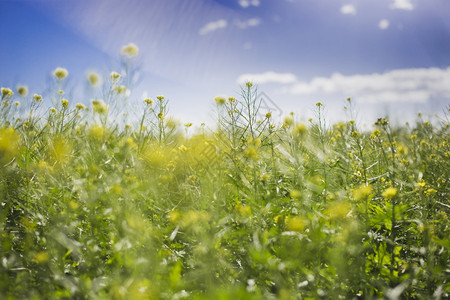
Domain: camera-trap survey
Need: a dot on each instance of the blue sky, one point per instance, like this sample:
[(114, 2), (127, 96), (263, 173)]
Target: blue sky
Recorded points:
[(390, 56)]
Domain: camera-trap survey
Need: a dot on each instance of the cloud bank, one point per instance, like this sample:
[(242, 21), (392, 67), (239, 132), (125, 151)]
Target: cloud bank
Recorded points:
[(267, 77), (403, 85)]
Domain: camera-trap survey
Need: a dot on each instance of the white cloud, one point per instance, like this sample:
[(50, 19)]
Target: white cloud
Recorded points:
[(247, 3), (249, 23), (348, 9), (213, 26), (268, 77), (402, 85), (421, 96), (254, 22), (402, 4), (384, 24)]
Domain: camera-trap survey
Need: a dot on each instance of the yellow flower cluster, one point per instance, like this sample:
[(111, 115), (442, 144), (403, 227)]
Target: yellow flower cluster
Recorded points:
[(37, 98), (6, 93), (390, 193), (9, 144), (99, 106), (220, 100), (299, 130), (65, 103), (363, 192), (97, 132), (296, 223)]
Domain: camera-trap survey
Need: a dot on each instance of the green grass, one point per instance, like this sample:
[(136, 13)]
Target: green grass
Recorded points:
[(92, 208)]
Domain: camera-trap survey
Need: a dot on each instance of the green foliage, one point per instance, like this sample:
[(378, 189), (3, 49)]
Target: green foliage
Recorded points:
[(91, 208)]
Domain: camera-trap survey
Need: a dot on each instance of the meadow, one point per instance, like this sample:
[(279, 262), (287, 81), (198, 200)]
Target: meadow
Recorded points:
[(93, 207)]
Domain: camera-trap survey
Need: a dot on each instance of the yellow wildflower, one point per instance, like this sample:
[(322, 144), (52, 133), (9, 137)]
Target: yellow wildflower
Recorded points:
[(97, 132), (430, 192), (60, 73), (390, 193), (339, 210), (375, 133), (295, 194), (195, 217), (130, 50), (300, 129), (94, 78), (41, 257), (80, 106), (120, 89), (22, 90), (99, 106), (65, 103), (173, 216), (363, 192), (288, 121), (37, 98), (243, 210), (355, 134), (115, 77), (421, 183), (6, 93), (264, 177), (296, 223), (9, 143), (219, 100)]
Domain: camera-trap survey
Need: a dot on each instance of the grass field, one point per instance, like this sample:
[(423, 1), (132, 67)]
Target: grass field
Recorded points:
[(94, 208)]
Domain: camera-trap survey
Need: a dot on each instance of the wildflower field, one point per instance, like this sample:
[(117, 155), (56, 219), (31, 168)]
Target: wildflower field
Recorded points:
[(94, 207)]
